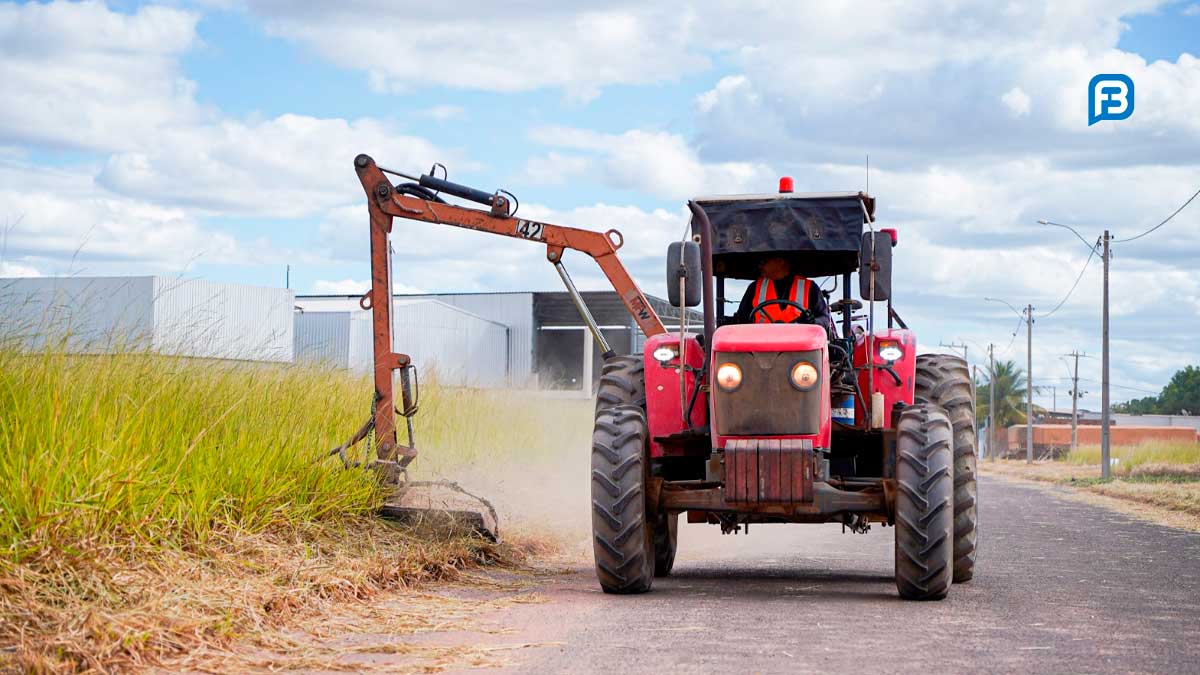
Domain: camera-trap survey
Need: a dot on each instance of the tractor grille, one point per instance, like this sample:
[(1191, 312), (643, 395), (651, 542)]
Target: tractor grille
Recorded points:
[(766, 403)]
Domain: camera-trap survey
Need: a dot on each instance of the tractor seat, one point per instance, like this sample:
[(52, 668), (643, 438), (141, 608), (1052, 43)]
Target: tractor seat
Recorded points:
[(844, 303)]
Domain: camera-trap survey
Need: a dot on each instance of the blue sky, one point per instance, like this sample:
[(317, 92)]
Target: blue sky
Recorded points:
[(214, 140)]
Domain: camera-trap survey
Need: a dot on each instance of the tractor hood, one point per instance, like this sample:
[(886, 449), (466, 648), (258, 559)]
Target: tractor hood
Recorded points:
[(769, 337)]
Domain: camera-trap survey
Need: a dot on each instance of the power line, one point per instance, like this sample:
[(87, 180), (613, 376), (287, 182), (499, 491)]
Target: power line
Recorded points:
[(1014, 337), (1122, 386), (1189, 201), (1077, 279)]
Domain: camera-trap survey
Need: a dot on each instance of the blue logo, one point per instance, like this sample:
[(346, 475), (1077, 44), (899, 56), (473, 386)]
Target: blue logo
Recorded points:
[(1110, 97)]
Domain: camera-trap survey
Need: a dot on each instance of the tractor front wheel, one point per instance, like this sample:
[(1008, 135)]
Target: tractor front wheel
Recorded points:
[(622, 533), (924, 503)]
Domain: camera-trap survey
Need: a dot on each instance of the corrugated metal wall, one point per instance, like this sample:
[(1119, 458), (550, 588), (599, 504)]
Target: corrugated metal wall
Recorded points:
[(193, 317), (325, 339), (93, 314), (514, 310), (173, 316), (463, 349), (455, 346)]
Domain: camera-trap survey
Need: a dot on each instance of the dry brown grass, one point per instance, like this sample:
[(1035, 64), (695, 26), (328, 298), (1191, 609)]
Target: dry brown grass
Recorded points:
[(232, 603), (1168, 494), (1179, 497)]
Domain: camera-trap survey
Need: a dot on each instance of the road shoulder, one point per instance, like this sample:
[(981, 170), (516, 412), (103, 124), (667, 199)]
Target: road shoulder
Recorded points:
[(1158, 503)]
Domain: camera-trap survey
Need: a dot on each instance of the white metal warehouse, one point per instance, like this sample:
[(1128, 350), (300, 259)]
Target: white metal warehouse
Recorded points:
[(547, 347), (181, 317), (454, 346)]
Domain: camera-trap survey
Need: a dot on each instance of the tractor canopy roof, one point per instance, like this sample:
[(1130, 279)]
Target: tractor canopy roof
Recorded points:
[(819, 233)]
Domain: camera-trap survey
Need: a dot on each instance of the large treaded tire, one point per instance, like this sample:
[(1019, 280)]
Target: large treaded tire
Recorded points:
[(944, 379), (924, 508), (622, 382), (666, 537), (622, 536)]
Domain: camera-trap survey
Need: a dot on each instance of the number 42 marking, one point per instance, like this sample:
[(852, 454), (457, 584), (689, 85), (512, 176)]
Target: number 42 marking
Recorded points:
[(529, 229)]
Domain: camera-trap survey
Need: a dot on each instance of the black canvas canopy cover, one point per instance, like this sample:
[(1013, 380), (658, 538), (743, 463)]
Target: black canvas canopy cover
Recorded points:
[(819, 233)]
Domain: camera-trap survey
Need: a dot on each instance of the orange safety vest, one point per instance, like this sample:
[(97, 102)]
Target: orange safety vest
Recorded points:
[(764, 290)]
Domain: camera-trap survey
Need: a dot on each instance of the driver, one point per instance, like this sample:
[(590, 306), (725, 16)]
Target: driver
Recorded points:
[(776, 281)]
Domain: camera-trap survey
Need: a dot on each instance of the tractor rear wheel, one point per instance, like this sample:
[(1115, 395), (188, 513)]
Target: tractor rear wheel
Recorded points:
[(945, 380), (924, 507), (622, 533), (666, 535)]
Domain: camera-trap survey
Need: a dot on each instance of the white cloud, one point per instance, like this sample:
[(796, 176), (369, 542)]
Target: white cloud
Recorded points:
[(926, 87), (495, 46), (79, 76), (83, 77), (340, 287), (725, 87), (290, 166), (10, 269), (62, 222), (1191, 10), (1017, 102), (658, 163), (355, 287)]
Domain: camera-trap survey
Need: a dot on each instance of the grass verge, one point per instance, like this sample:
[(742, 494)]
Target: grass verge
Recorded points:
[(151, 505), (1146, 458), (1154, 481)]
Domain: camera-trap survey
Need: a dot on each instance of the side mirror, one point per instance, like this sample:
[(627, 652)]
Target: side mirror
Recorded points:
[(683, 259), (877, 247)]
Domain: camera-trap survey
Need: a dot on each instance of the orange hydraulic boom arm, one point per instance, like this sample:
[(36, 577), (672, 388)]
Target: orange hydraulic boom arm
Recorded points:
[(385, 203)]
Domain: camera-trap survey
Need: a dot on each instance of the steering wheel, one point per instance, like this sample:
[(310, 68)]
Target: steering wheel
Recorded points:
[(806, 316)]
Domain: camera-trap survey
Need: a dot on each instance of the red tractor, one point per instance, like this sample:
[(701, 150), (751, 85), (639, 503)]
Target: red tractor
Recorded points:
[(779, 416)]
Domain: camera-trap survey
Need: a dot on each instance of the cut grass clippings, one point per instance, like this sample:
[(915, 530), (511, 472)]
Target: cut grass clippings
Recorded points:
[(151, 506)]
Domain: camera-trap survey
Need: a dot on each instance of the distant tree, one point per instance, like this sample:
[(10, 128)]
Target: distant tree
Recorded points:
[(1181, 396), (1010, 395), (1182, 393), (1139, 406)]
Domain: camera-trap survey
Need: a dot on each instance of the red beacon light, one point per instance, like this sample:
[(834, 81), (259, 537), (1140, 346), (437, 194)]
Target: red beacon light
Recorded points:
[(786, 185), (891, 232)]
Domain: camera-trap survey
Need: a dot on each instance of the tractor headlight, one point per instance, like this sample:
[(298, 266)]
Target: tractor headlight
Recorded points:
[(889, 350), (729, 376), (805, 376), (664, 354)]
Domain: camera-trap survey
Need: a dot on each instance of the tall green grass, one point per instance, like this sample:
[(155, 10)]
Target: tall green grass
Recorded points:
[(1130, 456), (136, 449), (146, 449)]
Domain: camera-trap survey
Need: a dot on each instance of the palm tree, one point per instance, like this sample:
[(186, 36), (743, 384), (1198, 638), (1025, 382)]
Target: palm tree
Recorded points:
[(1010, 395)]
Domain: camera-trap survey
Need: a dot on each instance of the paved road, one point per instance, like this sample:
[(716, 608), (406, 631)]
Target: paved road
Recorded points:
[(1061, 587)]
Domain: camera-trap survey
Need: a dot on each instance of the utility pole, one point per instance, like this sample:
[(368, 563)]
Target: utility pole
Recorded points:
[(1104, 412), (1075, 403), (1054, 398), (955, 346), (1029, 377), (992, 401)]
